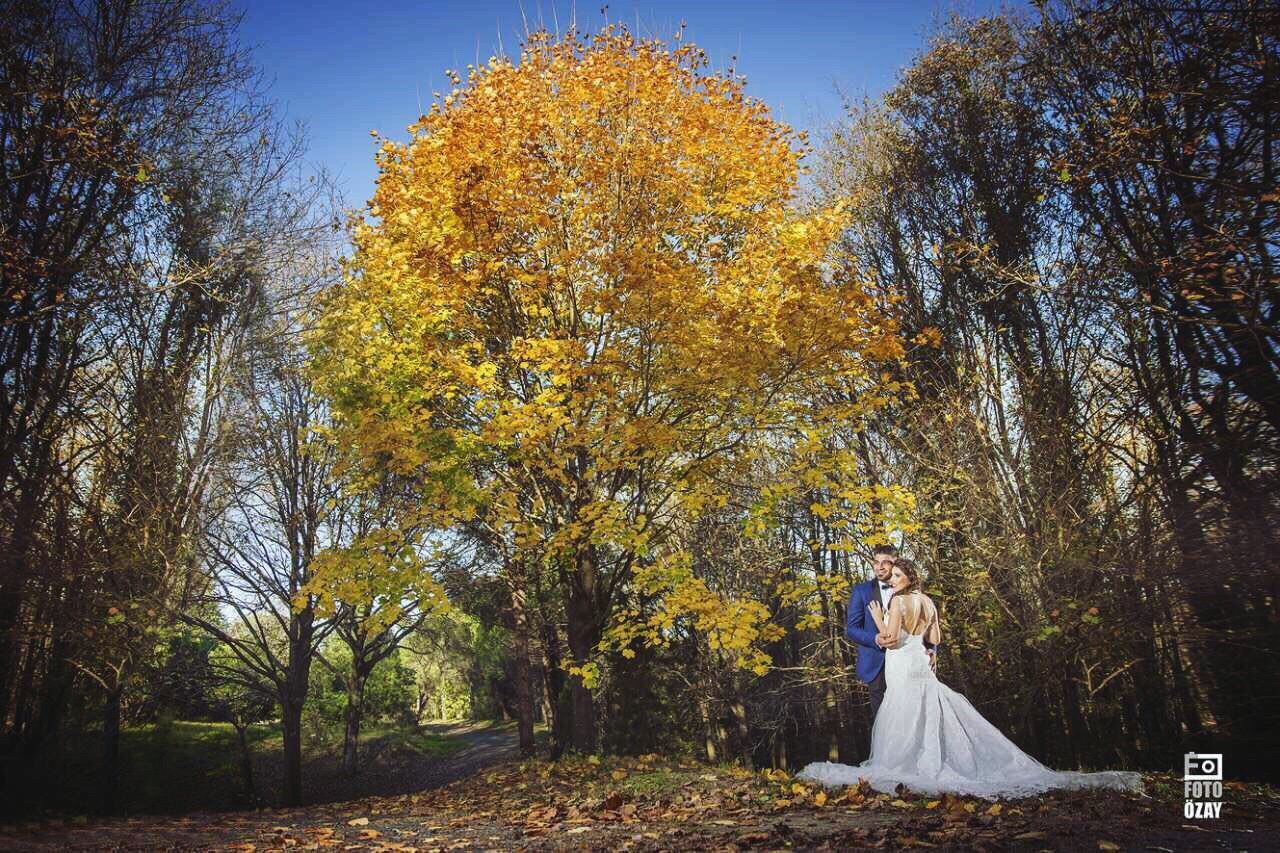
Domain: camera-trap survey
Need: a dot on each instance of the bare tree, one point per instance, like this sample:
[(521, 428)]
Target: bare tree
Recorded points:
[(275, 513), (150, 193)]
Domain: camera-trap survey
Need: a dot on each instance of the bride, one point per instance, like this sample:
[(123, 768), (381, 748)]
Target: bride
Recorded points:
[(929, 737)]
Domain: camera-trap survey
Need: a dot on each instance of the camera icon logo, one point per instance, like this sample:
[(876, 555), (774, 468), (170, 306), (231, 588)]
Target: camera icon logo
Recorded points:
[(1202, 767)]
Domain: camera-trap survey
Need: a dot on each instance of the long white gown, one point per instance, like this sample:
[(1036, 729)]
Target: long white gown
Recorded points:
[(931, 739)]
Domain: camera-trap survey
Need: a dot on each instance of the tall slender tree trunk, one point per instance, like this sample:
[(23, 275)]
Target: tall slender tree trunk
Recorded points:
[(13, 571), (708, 728), (293, 695), (524, 686), (355, 714), (582, 619), (291, 729), (10, 605), (554, 685), (246, 761), (111, 749)]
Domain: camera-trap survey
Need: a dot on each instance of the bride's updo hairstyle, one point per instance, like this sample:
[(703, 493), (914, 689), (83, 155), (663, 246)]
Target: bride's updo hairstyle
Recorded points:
[(912, 573)]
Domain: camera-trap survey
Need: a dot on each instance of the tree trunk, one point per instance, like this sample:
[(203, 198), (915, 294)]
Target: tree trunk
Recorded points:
[(583, 635), (524, 687), (246, 762), (741, 732), (355, 713), (708, 728), (15, 565), (555, 687), (421, 705), (291, 728), (10, 605), (294, 694), (110, 750), (831, 702)]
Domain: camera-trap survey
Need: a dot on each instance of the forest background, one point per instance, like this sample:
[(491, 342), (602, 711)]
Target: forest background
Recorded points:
[(1018, 316)]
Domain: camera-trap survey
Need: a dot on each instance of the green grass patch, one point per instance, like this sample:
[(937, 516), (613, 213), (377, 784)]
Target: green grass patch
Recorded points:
[(658, 781), (163, 767), (428, 744), (161, 762)]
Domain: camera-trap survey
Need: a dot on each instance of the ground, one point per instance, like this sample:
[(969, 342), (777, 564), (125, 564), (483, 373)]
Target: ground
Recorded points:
[(176, 767), (482, 796)]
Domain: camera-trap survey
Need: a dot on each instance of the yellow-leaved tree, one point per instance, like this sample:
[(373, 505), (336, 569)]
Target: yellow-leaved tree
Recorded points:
[(583, 296)]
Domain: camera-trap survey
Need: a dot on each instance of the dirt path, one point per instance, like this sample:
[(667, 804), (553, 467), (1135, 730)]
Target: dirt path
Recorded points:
[(389, 769), (485, 747)]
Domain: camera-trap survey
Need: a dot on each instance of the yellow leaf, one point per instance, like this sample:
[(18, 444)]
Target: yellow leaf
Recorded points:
[(501, 313)]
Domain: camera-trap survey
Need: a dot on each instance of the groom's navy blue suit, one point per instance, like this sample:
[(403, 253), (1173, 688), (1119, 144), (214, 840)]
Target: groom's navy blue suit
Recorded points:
[(861, 629)]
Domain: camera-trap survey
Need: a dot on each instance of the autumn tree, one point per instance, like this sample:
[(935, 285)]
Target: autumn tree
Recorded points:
[(377, 587), (1078, 201), (583, 297), (274, 510)]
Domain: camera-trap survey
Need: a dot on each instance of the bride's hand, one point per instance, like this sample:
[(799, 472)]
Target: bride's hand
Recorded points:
[(875, 608)]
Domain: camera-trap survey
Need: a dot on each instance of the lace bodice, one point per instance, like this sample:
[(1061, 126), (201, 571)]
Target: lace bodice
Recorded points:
[(919, 615)]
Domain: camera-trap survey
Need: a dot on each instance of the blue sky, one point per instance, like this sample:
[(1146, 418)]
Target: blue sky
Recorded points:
[(346, 68)]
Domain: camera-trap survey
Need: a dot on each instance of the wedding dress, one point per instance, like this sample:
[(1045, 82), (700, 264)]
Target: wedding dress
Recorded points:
[(931, 739)]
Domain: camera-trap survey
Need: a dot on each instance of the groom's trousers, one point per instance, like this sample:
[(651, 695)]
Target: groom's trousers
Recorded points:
[(876, 687)]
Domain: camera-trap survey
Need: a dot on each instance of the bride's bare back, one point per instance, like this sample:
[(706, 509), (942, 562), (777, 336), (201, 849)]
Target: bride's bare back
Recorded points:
[(918, 616)]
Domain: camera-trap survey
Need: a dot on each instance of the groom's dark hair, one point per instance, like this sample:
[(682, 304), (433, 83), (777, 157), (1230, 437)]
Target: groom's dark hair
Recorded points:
[(885, 549)]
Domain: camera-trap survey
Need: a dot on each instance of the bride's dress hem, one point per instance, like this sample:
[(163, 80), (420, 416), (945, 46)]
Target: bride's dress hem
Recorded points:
[(886, 780), (930, 739)]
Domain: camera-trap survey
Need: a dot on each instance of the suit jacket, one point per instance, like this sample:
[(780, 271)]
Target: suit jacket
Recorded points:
[(861, 629)]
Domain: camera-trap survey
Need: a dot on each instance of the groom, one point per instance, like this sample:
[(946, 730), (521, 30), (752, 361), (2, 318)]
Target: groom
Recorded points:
[(861, 628)]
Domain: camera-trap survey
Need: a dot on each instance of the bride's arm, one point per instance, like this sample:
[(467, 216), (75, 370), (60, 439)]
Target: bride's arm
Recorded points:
[(933, 635), (877, 613), (895, 616)]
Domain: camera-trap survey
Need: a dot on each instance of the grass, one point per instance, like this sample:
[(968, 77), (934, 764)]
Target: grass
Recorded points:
[(169, 761), (426, 744), (653, 782), (183, 742), (164, 767), (179, 766)]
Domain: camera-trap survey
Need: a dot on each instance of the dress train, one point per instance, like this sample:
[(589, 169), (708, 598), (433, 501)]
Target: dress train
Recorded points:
[(931, 739)]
